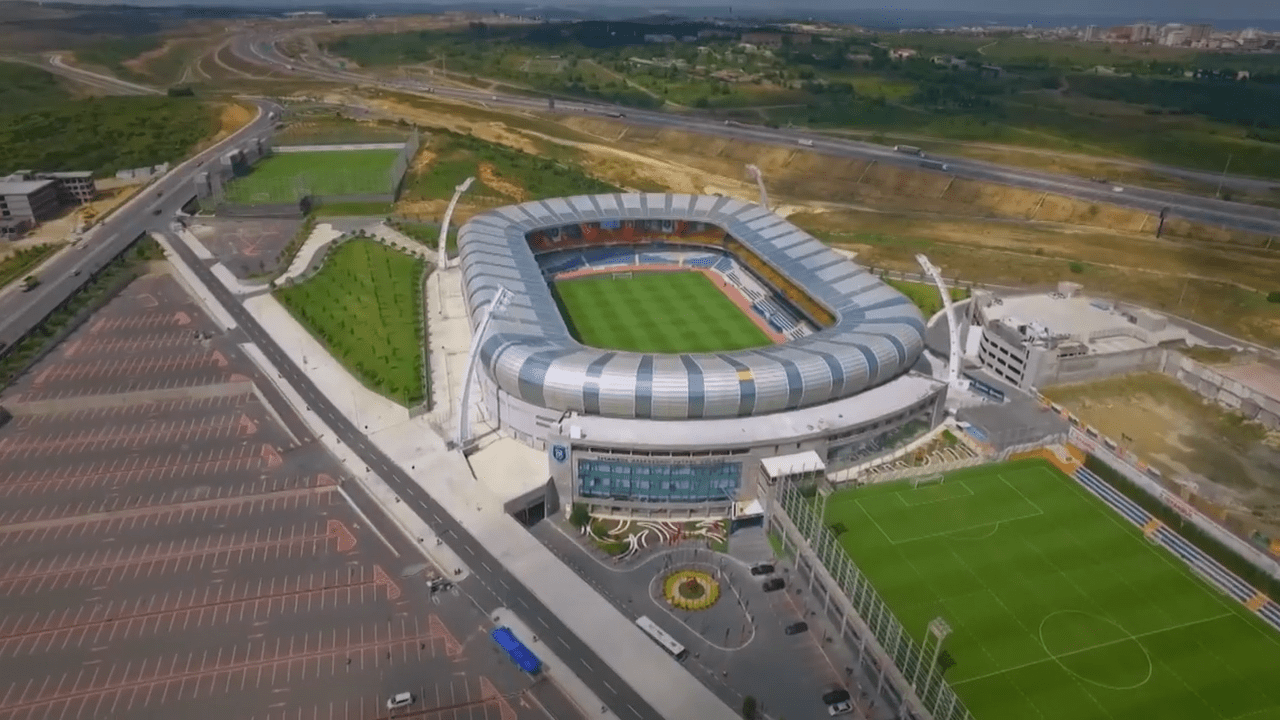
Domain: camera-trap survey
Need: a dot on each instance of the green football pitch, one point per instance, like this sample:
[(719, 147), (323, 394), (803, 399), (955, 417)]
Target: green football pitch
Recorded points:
[(655, 312), (285, 177), (1060, 609)]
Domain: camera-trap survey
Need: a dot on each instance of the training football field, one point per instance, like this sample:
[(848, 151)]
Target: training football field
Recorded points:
[(288, 176), (655, 312), (1059, 608)]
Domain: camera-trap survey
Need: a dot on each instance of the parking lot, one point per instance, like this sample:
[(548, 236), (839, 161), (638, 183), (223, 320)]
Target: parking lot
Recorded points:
[(248, 247), (173, 543)]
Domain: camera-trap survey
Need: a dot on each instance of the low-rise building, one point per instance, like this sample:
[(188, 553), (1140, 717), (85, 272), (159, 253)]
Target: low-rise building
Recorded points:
[(73, 187), (24, 203), (1044, 339), (28, 198)]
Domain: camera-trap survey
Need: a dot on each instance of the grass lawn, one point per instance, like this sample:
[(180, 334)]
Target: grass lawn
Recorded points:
[(284, 177), (925, 295), (1059, 608), (521, 176), (364, 305), (23, 86), (655, 312), (21, 262)]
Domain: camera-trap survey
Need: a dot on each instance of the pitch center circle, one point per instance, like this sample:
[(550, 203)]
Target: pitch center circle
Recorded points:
[(1095, 650)]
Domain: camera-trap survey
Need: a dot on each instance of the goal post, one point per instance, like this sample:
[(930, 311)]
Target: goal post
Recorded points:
[(933, 479), (622, 275)]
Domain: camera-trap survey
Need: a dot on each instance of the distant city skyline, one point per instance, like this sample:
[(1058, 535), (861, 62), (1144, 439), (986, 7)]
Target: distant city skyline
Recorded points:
[(1237, 13)]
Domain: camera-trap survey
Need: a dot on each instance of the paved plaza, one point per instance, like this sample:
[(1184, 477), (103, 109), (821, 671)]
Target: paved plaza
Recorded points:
[(737, 646)]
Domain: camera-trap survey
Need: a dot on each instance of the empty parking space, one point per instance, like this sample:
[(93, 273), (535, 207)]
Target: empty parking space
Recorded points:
[(249, 247), (169, 549)]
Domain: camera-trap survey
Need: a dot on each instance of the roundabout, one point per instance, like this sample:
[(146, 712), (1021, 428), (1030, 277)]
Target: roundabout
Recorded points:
[(691, 589)]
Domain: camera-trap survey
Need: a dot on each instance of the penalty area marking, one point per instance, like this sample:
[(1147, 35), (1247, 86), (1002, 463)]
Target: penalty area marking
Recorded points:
[(993, 524), (968, 493)]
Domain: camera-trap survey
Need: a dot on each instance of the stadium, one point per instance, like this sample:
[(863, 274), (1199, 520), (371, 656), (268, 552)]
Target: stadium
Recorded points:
[(665, 350)]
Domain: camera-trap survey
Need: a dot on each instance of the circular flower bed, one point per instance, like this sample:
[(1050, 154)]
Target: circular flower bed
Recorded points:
[(691, 590)]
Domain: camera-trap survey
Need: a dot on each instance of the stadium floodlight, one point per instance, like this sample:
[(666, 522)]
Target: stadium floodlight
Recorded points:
[(758, 176), (938, 631), (499, 303), (957, 352), (442, 257)]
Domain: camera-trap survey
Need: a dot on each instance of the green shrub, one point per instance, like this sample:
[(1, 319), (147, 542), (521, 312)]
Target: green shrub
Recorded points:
[(579, 516)]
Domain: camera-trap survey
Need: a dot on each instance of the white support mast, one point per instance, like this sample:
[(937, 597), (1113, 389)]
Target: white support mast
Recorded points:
[(758, 176), (499, 301), (957, 352), (442, 257)]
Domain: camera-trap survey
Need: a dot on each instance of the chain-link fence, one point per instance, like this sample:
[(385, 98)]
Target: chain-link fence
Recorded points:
[(919, 680)]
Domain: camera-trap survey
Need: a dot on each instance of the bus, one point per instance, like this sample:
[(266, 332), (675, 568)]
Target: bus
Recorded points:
[(668, 643)]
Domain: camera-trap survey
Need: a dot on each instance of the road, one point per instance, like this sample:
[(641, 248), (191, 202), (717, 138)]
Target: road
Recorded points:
[(70, 270), (486, 570), (105, 83), (261, 49), (153, 209)]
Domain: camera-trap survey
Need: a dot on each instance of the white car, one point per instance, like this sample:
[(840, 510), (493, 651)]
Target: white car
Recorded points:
[(841, 708), (400, 700)]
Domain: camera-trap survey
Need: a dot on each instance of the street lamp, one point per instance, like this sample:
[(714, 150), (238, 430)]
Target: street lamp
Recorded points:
[(499, 303)]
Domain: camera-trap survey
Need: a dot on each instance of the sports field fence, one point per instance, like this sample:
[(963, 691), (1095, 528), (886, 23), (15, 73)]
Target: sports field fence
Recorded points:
[(902, 670), (1100, 447)]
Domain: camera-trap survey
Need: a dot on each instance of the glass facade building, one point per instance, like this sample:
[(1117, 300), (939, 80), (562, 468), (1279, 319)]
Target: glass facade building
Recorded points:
[(653, 482)]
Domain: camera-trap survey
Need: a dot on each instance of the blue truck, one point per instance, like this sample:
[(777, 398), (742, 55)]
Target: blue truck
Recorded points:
[(522, 656)]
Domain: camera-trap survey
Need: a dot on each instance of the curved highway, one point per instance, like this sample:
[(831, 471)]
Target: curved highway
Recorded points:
[(261, 49), (71, 268)]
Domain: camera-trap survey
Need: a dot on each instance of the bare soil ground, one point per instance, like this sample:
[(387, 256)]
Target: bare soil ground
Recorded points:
[(231, 117), (979, 232), (1175, 430), (488, 175)]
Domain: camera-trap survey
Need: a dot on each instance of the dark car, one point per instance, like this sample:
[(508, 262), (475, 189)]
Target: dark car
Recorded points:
[(796, 629), (774, 584), (762, 569), (156, 211), (835, 696)]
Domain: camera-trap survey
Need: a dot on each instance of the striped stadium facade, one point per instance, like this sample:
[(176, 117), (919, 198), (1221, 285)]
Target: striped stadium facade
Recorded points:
[(837, 390)]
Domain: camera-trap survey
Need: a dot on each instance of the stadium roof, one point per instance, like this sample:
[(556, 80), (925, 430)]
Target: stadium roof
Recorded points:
[(877, 335)]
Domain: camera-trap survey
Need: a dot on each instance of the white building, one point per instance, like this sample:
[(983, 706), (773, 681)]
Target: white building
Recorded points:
[(1045, 339)]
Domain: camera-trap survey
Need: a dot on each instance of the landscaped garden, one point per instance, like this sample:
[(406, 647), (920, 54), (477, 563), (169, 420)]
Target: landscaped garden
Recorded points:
[(691, 589), (365, 306)]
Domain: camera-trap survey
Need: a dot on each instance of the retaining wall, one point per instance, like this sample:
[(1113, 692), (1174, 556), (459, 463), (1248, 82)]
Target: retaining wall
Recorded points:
[(1213, 385)]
